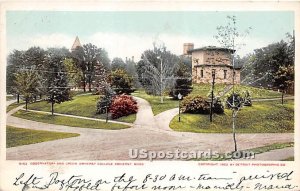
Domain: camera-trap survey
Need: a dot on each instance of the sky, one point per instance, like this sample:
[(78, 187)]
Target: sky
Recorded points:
[(127, 34)]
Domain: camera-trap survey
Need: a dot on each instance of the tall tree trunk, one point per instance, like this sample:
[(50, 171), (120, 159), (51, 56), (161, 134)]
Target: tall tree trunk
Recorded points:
[(90, 83), (212, 98), (84, 83), (18, 98), (52, 107), (52, 104), (26, 103), (233, 130), (282, 97)]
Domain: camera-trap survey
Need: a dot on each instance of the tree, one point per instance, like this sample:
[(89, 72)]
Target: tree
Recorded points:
[(131, 69), (145, 82), (284, 79), (117, 63), (33, 57), (73, 72), (121, 82), (105, 101), (15, 61), (57, 81), (262, 67), (158, 67), (91, 57), (101, 81), (26, 83), (227, 37), (183, 83), (78, 58), (86, 58), (36, 56), (104, 59)]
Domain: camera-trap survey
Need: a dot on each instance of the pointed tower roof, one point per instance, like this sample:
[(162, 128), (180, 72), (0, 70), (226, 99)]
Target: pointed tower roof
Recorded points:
[(76, 43)]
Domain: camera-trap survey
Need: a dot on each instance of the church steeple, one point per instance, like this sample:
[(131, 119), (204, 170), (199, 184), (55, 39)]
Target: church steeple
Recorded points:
[(76, 44)]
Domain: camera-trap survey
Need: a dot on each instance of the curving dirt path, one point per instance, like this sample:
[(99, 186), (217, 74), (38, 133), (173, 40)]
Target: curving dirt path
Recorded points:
[(148, 132)]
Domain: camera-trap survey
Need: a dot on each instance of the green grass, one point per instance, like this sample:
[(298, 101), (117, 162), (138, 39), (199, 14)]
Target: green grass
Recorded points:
[(13, 106), (128, 119), (289, 159), (271, 147), (8, 98), (79, 92), (257, 150), (154, 101), (262, 117), (81, 105), (19, 136), (258, 92), (204, 89), (68, 121)]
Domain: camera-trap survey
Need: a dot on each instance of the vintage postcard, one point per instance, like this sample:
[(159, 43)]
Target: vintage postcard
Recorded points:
[(141, 95)]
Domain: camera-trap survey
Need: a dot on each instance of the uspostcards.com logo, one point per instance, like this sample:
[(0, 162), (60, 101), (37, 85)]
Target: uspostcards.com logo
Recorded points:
[(188, 155)]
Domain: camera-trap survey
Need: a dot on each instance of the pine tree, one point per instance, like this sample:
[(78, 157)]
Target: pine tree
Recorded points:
[(100, 77), (183, 84)]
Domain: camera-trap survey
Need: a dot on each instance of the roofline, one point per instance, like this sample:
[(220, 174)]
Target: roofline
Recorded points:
[(212, 48), (217, 65)]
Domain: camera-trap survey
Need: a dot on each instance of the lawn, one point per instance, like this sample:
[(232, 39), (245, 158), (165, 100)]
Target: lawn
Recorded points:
[(68, 121), (203, 90), (13, 106), (10, 97), (262, 117), (289, 159), (19, 136), (255, 151), (80, 105), (271, 147), (154, 101)]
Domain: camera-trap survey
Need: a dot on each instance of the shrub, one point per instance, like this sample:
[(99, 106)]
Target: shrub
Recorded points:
[(195, 104), (238, 100), (122, 105), (247, 99), (218, 106), (105, 100), (121, 82), (183, 84)]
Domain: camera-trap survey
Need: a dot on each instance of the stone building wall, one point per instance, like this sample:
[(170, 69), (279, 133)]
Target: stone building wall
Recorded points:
[(219, 77), (204, 61)]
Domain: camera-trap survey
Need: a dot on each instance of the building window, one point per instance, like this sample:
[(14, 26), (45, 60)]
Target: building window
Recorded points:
[(201, 73), (213, 71), (225, 74)]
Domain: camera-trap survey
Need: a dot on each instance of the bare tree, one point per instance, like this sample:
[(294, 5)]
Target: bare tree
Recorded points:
[(227, 36), (159, 69)]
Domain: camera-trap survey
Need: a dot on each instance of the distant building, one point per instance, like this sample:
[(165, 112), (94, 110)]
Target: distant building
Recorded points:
[(187, 47), (76, 44), (207, 60)]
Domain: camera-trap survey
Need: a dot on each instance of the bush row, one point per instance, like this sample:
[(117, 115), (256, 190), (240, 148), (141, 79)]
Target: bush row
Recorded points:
[(117, 105), (198, 104)]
